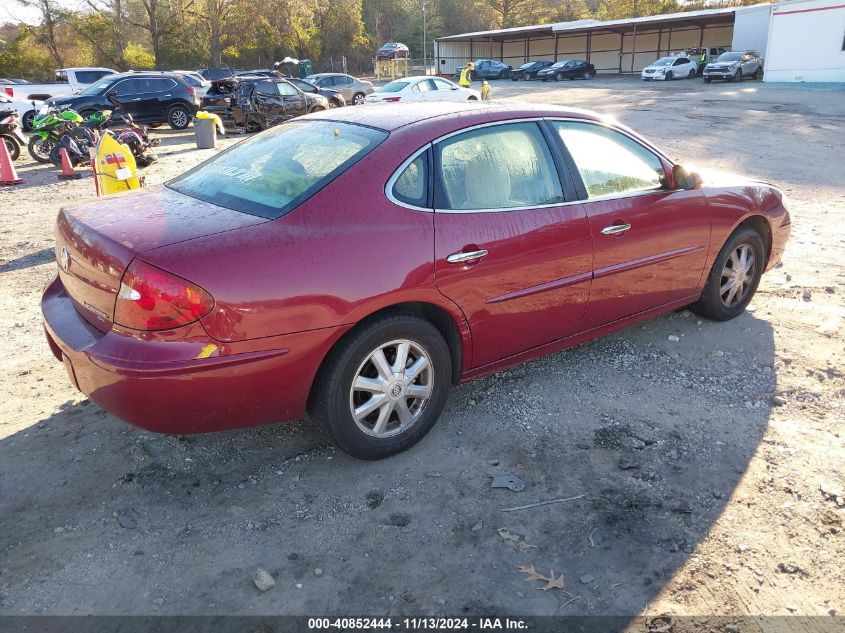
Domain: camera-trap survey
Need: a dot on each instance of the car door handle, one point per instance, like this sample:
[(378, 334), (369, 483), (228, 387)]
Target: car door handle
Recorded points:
[(615, 229), (460, 258)]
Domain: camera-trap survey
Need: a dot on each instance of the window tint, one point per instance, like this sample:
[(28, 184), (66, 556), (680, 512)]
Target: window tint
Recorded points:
[(160, 85), (90, 76), (343, 80), (127, 87), (609, 162), (497, 167), (266, 89), (285, 89), (273, 172), (411, 186), (304, 86), (442, 84)]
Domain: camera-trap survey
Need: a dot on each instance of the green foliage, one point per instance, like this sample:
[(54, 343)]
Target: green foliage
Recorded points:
[(138, 57)]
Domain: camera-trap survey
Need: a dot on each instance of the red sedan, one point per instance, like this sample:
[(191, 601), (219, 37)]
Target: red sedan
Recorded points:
[(358, 263)]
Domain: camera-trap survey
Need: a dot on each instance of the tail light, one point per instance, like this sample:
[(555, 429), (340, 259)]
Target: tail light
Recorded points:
[(393, 99), (9, 91), (153, 299)]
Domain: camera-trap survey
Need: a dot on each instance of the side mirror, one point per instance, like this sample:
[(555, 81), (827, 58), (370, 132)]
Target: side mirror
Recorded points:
[(686, 179)]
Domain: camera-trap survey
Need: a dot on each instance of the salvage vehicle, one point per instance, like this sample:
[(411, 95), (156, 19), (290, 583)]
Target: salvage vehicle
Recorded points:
[(734, 65), (568, 69), (195, 80), (26, 109), (669, 68), (529, 70), (353, 90), (252, 104), (422, 88), (393, 50), (334, 98), (486, 69), (149, 96), (69, 81), (358, 263)]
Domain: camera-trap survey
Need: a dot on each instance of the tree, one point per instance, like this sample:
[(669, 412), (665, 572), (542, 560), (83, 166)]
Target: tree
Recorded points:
[(51, 17)]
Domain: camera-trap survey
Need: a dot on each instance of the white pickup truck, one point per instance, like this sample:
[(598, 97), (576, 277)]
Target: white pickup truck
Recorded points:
[(68, 81)]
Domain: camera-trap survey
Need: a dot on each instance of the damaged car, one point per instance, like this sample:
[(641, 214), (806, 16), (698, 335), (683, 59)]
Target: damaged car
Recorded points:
[(252, 104)]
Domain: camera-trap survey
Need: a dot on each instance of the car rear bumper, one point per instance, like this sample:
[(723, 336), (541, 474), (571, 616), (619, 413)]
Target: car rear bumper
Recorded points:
[(172, 383)]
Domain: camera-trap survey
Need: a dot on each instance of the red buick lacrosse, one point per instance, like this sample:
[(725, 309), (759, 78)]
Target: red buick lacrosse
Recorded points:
[(357, 263)]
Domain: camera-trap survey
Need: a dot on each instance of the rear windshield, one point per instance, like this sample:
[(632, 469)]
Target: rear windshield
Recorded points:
[(393, 86), (664, 61), (273, 172)]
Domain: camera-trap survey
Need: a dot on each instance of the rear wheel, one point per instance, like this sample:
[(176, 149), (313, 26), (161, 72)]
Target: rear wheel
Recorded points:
[(558, 76), (12, 147), (39, 148), (179, 117), (758, 74), (358, 98), (317, 108), (382, 388), (734, 278), (691, 74), (588, 74)]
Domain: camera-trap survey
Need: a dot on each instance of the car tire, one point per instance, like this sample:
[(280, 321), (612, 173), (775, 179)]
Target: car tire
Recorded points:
[(587, 75), (670, 76), (738, 75), (472, 98), (526, 77), (558, 76), (179, 117), (366, 365), (316, 108), (721, 305), (691, 74), (758, 74), (333, 104), (707, 80), (358, 98), (27, 120), (155, 124)]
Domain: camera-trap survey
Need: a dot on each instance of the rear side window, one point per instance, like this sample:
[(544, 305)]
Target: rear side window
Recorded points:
[(609, 162), (285, 89), (497, 167), (90, 76), (272, 173), (411, 187)]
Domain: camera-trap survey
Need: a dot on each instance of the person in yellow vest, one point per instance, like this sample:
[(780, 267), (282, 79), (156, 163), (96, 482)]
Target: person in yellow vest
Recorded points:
[(466, 75), (485, 91), (702, 61)]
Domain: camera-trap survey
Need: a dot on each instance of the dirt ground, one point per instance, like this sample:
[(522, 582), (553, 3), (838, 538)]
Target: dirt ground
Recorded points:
[(706, 458)]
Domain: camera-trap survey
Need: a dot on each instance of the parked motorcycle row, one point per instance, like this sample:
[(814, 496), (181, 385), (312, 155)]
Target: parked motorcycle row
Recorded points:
[(63, 127)]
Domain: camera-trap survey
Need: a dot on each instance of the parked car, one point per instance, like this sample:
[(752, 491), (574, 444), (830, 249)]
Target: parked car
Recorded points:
[(359, 263), (529, 70), (68, 81), (26, 109), (195, 80), (7, 80), (734, 65), (487, 69), (422, 88), (669, 68), (568, 69), (334, 98), (393, 50), (149, 96), (212, 74), (353, 90), (254, 103)]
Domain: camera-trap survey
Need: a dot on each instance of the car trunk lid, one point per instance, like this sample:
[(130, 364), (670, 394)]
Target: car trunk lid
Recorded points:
[(96, 241)]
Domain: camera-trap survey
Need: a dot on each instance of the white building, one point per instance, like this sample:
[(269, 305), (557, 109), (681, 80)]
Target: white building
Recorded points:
[(806, 41)]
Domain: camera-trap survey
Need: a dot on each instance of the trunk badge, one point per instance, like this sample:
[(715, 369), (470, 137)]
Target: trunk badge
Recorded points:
[(64, 260)]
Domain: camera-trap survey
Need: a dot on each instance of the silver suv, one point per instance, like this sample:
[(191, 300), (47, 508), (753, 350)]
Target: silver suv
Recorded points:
[(734, 65)]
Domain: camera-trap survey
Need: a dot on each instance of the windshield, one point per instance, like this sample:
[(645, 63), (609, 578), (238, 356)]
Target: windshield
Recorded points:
[(98, 87), (389, 45), (664, 61), (559, 64), (729, 57), (312, 79), (527, 66), (272, 173), (393, 86)]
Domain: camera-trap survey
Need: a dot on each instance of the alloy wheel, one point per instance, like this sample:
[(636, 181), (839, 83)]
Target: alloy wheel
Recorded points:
[(391, 388), (358, 99), (179, 118), (738, 276)]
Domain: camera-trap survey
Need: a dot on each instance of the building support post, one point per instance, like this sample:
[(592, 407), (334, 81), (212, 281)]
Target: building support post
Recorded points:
[(589, 46), (701, 38), (669, 46), (633, 49), (556, 44), (660, 43)]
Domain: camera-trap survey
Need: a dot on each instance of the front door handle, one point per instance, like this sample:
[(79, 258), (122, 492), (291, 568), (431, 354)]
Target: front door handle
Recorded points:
[(462, 258), (615, 229)]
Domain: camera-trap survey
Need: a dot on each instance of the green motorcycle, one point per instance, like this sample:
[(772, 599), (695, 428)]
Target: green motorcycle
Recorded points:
[(47, 129)]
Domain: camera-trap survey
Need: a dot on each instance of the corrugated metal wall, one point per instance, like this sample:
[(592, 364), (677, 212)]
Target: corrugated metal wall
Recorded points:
[(751, 29)]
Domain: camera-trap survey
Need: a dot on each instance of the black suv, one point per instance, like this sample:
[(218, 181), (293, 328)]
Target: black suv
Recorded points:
[(150, 97), (254, 103)]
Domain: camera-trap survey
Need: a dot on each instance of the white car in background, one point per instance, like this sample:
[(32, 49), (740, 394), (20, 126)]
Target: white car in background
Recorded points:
[(668, 68), (422, 88), (26, 109)]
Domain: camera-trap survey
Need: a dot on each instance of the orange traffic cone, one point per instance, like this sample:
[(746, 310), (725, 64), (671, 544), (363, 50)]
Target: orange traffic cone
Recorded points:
[(8, 175), (67, 168)]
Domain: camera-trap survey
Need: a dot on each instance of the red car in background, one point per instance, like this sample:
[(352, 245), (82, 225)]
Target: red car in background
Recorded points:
[(357, 263)]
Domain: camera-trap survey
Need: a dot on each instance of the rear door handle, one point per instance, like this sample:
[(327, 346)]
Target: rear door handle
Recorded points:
[(615, 229), (461, 258)]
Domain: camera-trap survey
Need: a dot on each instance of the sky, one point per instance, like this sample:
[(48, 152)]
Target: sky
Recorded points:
[(13, 11)]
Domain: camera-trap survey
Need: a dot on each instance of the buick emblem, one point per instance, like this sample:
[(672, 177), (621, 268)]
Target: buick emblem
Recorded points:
[(64, 258)]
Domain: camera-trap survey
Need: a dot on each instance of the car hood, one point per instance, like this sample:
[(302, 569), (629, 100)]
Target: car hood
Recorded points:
[(70, 100)]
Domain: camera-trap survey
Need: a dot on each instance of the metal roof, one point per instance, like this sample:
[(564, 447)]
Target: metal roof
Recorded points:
[(598, 25)]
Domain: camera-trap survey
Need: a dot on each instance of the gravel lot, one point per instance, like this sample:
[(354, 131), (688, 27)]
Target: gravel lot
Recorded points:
[(707, 458)]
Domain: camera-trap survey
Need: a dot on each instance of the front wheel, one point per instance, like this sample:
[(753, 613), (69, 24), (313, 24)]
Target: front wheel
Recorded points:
[(588, 74), (12, 147), (383, 387), (734, 278), (558, 77), (758, 74), (472, 98), (670, 76), (358, 98), (179, 117), (737, 76), (40, 147)]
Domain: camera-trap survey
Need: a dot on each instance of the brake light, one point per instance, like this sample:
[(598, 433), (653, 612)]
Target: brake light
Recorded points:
[(9, 91), (393, 99), (191, 91), (153, 299)]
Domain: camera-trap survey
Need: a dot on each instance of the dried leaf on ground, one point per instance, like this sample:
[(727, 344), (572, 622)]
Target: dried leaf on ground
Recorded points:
[(551, 581), (518, 540)]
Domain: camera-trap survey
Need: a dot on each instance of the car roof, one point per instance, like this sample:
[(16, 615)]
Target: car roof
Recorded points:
[(472, 113), (329, 75)]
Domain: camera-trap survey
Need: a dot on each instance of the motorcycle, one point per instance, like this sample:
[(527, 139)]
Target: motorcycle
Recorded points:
[(125, 131), (47, 130), (11, 134)]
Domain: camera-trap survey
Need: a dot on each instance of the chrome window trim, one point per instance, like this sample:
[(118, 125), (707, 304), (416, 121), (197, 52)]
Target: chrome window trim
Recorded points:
[(388, 188)]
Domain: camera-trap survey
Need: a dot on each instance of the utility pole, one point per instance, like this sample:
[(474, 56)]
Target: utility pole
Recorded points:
[(425, 65)]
